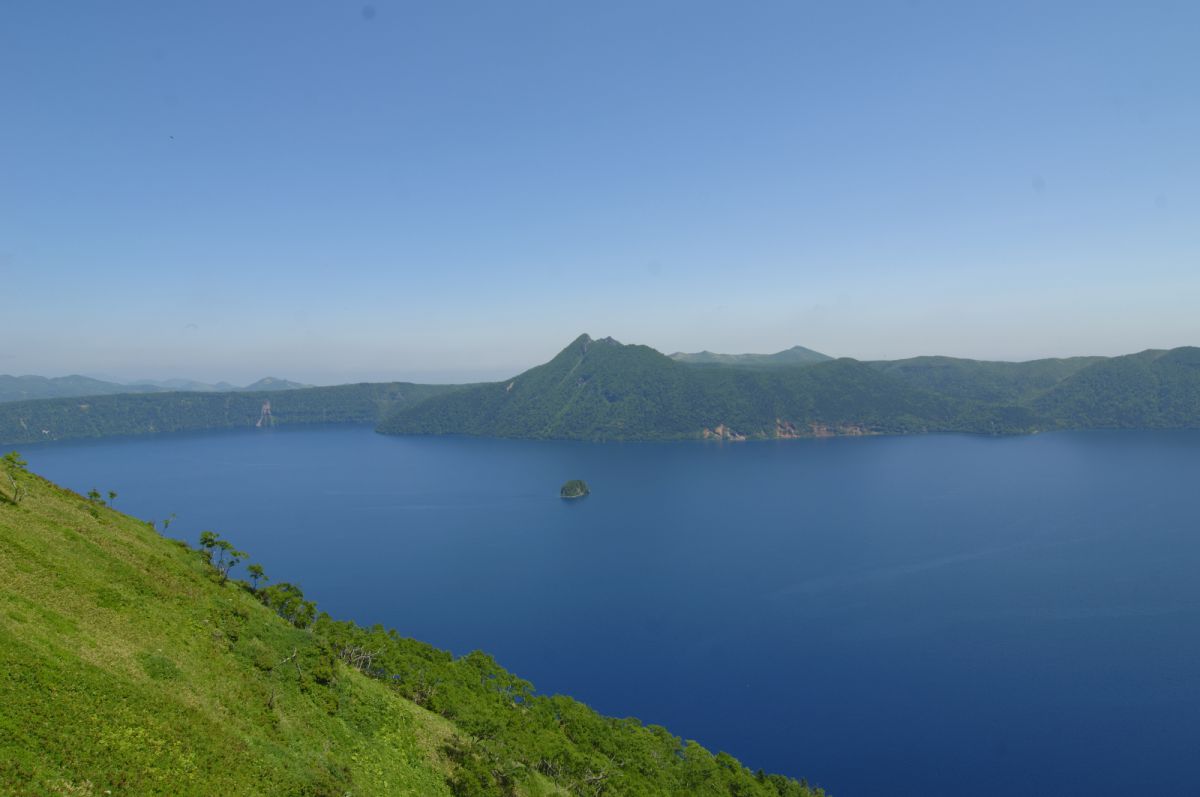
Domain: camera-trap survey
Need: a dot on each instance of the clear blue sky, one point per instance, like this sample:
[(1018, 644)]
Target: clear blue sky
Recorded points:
[(329, 191)]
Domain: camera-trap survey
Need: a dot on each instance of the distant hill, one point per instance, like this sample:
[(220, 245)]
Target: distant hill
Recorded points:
[(189, 385), (602, 389), (271, 383), (797, 355), (24, 388), (152, 413), (606, 390)]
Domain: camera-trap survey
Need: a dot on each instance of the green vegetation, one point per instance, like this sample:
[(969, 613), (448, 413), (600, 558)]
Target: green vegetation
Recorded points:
[(256, 574), (149, 413), (603, 390), (575, 488), (12, 487), (979, 380), (132, 664), (1153, 389)]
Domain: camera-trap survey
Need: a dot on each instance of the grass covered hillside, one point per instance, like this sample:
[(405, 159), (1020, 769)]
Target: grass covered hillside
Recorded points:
[(131, 665), (150, 413), (601, 389)]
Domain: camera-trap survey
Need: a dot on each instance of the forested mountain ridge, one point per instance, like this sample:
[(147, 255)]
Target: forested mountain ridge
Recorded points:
[(1151, 389), (133, 664), (604, 390), (984, 380), (25, 388), (151, 413)]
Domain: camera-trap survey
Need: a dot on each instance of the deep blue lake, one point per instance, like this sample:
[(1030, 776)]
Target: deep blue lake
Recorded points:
[(944, 615)]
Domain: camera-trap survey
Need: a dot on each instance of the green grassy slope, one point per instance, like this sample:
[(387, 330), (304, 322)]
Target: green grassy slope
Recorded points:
[(125, 667), (149, 413), (128, 667), (601, 389)]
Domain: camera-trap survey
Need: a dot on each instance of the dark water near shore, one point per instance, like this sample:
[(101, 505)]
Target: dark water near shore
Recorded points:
[(940, 615)]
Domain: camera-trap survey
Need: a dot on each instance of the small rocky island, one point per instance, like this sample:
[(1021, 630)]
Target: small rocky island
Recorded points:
[(576, 488)]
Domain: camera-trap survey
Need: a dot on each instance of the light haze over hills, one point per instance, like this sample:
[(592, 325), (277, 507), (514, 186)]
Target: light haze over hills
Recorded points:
[(603, 389), (973, 180), (21, 388), (796, 355)]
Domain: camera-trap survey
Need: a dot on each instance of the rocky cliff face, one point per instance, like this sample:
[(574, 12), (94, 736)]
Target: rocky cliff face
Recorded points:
[(786, 430), (722, 432)]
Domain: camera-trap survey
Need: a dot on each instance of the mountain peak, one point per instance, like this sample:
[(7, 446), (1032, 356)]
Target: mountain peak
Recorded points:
[(581, 344)]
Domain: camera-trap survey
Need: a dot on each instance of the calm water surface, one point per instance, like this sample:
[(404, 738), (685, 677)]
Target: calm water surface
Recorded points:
[(938, 615)]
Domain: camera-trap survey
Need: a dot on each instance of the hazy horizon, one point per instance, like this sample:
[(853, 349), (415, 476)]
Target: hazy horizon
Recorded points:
[(336, 192), (482, 372)]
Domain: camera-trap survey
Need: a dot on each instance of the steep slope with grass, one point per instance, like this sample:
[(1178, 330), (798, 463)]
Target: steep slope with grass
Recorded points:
[(152, 413), (604, 390), (125, 667), (129, 665)]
